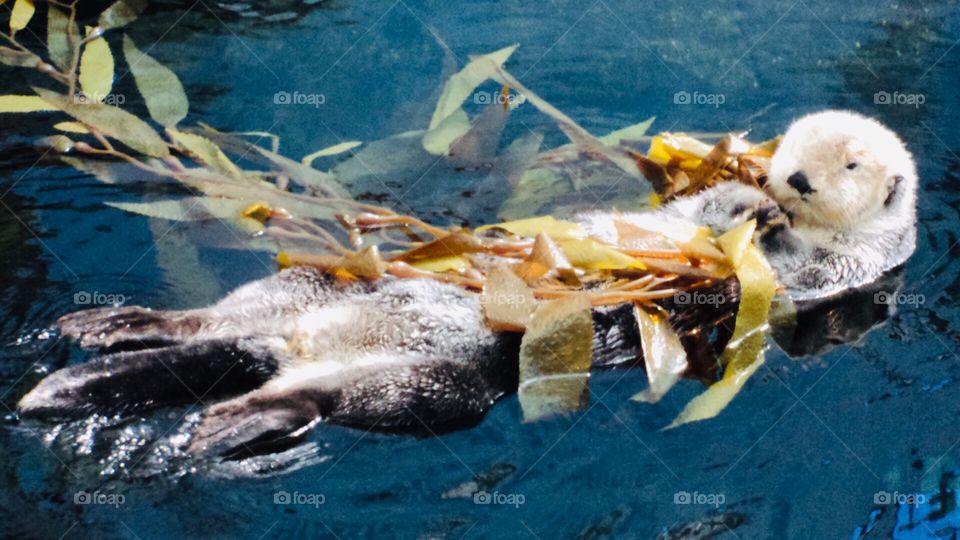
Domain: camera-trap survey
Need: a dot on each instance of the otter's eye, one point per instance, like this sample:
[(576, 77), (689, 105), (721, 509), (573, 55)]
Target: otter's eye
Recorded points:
[(851, 166)]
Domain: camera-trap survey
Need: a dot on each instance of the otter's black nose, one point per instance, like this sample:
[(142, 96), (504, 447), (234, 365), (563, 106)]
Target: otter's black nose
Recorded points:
[(799, 182)]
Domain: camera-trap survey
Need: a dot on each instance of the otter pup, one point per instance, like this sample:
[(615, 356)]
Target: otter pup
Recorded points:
[(838, 211)]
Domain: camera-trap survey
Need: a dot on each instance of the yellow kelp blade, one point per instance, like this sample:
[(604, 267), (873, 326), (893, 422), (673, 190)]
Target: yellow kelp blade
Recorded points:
[(206, 151), (160, 87), (330, 151), (744, 354), (716, 398), (735, 242), (677, 231), (438, 139), (553, 395), (59, 30), (633, 237), (649, 233), (663, 354), (462, 84), (111, 121), (120, 13), (678, 148), (70, 127), (24, 104), (545, 258), (592, 255), (555, 358), (323, 183), (366, 264), (21, 14), (452, 263), (96, 70), (508, 303), (451, 245), (531, 227)]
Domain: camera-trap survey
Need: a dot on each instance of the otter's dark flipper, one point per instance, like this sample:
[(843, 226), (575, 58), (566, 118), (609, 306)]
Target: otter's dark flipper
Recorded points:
[(152, 377), (132, 327), (408, 393), (257, 423)]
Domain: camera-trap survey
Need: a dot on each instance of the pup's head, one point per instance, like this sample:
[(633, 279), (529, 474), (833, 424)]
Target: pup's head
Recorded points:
[(838, 169)]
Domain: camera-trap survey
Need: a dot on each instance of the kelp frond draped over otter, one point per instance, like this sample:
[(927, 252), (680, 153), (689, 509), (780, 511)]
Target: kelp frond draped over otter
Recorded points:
[(538, 275)]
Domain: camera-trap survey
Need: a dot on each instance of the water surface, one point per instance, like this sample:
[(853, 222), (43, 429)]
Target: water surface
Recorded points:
[(802, 452)]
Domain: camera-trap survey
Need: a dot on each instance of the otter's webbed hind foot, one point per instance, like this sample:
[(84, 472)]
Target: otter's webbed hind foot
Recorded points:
[(397, 392), (260, 422), (131, 327), (150, 378)]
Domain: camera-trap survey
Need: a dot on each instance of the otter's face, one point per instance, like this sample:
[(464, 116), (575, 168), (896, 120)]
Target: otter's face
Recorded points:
[(837, 169)]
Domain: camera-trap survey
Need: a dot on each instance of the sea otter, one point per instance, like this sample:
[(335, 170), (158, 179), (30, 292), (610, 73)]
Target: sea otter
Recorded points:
[(300, 347), (847, 185)]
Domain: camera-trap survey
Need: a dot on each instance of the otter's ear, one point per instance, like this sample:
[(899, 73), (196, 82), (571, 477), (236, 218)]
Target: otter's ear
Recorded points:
[(893, 187)]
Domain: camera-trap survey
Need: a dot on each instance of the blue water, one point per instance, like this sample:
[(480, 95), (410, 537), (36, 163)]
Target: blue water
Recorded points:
[(808, 449)]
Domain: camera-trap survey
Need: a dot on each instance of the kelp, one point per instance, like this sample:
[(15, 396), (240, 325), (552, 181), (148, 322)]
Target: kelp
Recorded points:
[(60, 30), (744, 353), (24, 104), (96, 68), (21, 14), (539, 276), (110, 121), (555, 358), (663, 354), (162, 91)]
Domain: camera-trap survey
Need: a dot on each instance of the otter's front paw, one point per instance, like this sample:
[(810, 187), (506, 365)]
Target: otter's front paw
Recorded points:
[(769, 214), (732, 204)]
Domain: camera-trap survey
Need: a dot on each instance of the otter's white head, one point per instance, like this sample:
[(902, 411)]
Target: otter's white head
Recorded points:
[(838, 169)]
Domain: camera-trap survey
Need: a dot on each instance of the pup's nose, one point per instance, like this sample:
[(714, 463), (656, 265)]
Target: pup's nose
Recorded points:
[(799, 182)]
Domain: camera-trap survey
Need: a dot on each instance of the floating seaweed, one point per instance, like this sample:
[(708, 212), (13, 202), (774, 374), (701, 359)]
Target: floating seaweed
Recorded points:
[(537, 275)]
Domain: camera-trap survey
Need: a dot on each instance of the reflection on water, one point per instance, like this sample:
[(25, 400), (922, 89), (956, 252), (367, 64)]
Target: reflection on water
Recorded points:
[(803, 452)]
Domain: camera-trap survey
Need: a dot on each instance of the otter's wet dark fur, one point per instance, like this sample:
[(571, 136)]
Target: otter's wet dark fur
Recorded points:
[(300, 347)]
